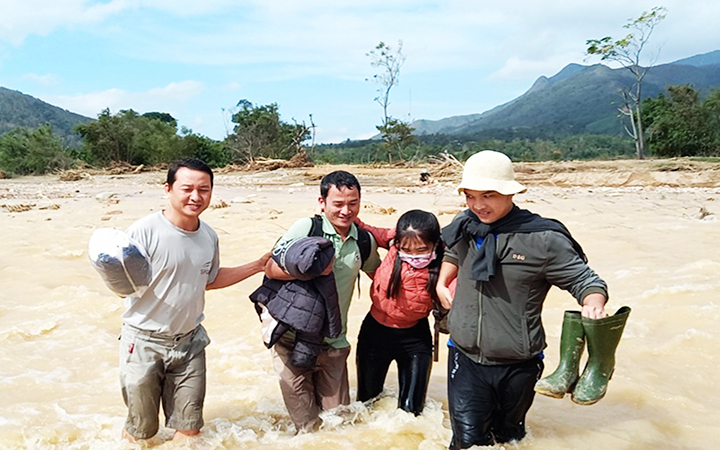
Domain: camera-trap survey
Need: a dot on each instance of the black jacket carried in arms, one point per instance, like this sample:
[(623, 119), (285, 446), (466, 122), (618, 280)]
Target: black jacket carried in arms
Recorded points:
[(308, 305)]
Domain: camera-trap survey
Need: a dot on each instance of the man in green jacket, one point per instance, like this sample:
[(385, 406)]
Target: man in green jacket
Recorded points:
[(309, 390), (505, 260)]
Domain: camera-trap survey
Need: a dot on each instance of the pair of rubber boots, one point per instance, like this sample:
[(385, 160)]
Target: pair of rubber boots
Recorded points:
[(602, 336)]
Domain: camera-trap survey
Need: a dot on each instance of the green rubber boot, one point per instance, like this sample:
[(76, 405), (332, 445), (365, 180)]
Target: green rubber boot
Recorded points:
[(572, 344), (603, 336)]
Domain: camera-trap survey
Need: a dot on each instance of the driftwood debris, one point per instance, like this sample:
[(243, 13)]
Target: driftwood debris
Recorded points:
[(300, 159), (377, 208), (445, 166), (18, 208)]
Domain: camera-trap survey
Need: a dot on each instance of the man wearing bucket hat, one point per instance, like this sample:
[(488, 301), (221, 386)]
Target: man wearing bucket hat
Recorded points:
[(505, 260)]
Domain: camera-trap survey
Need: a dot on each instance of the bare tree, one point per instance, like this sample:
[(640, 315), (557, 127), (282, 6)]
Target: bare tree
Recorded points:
[(389, 62), (300, 133), (627, 52), (396, 134)]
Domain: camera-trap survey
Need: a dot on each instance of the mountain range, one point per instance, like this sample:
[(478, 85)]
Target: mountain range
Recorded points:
[(18, 110), (578, 99)]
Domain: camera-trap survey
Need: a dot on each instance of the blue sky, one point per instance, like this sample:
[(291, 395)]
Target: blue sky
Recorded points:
[(197, 59)]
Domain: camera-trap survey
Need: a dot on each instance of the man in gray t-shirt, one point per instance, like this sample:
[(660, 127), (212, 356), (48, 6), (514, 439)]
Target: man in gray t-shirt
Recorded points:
[(162, 345)]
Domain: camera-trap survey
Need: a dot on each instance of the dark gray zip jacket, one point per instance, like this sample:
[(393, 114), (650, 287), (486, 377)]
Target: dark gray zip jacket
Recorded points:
[(499, 321), (307, 305)]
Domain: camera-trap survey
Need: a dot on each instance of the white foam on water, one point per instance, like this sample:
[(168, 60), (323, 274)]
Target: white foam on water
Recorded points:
[(28, 330), (61, 252), (709, 307), (69, 294), (56, 429), (54, 376), (620, 274), (222, 433), (350, 426), (675, 289), (701, 264), (691, 336)]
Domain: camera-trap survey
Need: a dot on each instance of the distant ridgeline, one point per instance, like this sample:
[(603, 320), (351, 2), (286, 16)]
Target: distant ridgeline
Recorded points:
[(578, 100), (21, 110)]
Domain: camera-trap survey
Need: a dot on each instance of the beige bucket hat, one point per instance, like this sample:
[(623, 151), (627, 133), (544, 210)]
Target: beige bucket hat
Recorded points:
[(489, 170)]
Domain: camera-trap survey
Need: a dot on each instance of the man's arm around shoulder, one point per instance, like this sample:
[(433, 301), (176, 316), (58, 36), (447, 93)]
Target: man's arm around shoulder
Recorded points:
[(373, 261), (448, 273), (275, 272), (300, 228), (227, 276)]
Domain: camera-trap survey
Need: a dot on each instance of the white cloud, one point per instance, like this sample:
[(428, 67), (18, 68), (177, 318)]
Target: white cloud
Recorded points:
[(43, 80), (340, 134), (188, 8), (232, 86), (21, 18), (170, 98), (521, 69), (305, 39), (466, 55)]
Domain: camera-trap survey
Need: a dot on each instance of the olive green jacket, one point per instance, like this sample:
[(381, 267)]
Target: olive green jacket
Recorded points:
[(499, 321)]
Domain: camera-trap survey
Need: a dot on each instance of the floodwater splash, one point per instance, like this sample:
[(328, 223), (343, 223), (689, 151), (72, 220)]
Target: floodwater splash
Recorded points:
[(59, 324)]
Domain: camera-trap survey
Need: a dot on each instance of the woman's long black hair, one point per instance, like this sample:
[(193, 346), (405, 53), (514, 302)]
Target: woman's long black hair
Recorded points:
[(425, 226)]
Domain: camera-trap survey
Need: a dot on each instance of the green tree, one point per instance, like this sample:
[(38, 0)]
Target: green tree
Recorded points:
[(396, 134), (32, 152), (679, 124), (627, 52), (259, 132), (108, 139), (130, 138), (711, 105), (161, 116), (157, 141), (214, 153)]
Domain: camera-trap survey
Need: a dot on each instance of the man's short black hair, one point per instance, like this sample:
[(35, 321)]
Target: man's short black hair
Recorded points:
[(340, 179), (190, 163)]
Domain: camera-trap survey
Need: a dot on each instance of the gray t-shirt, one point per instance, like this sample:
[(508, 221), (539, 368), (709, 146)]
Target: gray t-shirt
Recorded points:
[(183, 263)]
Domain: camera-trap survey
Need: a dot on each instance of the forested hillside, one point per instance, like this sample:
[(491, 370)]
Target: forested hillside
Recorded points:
[(18, 110), (571, 115), (578, 99)]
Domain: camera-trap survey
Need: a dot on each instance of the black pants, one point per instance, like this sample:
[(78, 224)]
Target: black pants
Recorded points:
[(488, 404), (411, 348)]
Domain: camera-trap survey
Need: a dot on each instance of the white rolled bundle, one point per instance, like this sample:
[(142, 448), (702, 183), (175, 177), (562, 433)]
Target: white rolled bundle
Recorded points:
[(122, 264)]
